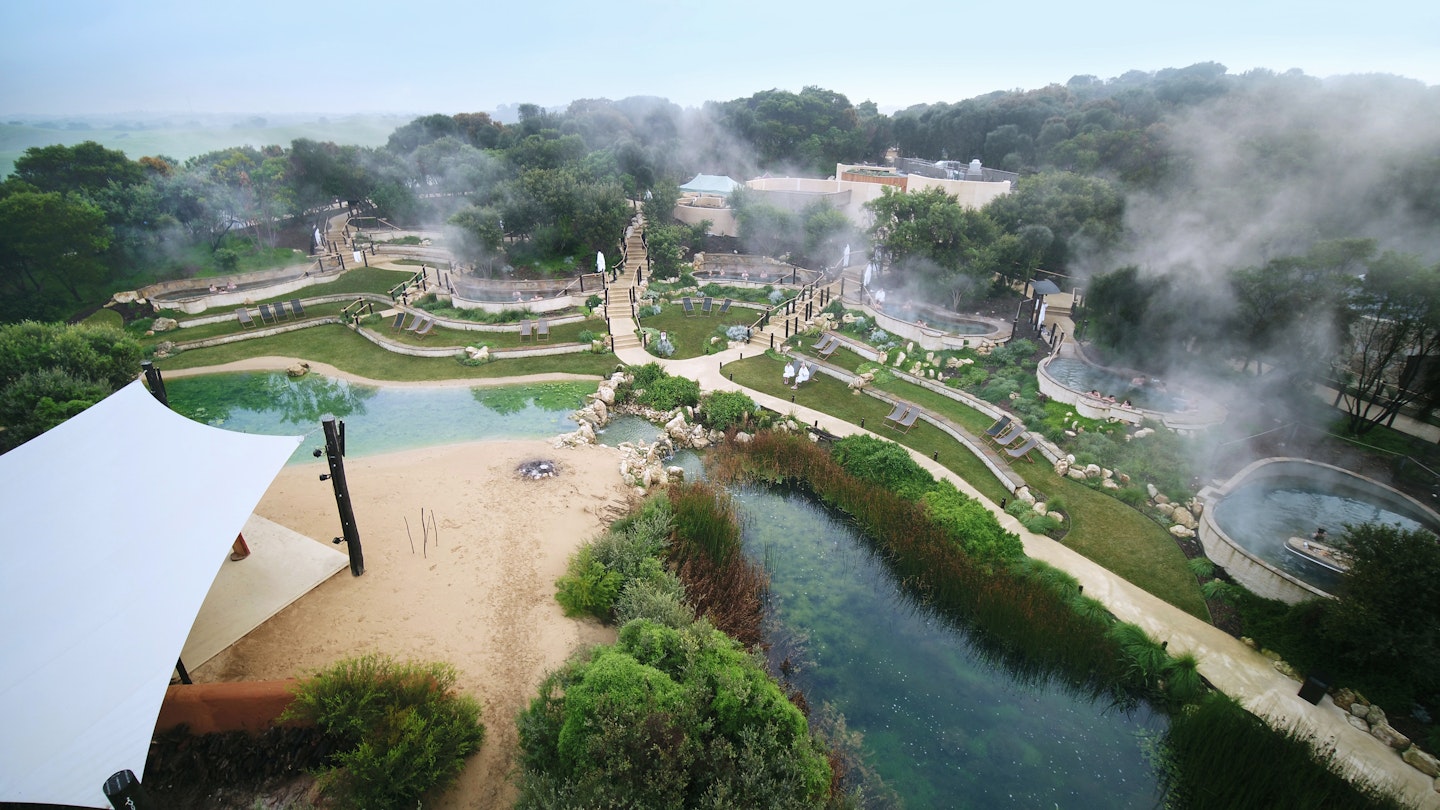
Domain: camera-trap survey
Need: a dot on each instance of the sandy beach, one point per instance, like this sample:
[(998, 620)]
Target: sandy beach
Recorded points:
[(478, 592)]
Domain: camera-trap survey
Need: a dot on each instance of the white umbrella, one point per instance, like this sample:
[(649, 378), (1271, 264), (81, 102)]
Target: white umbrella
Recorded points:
[(599, 262)]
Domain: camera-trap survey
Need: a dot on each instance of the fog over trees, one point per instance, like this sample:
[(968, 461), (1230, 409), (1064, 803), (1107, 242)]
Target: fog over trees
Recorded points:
[(1217, 197)]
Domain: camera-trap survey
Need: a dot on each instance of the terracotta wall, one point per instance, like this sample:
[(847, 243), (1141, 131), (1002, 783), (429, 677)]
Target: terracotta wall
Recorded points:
[(210, 707)]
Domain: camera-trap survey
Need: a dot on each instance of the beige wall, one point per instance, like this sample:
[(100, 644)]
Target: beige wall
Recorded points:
[(971, 194)]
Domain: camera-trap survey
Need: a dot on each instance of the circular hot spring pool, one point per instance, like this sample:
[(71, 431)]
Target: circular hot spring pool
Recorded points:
[(1275, 500)]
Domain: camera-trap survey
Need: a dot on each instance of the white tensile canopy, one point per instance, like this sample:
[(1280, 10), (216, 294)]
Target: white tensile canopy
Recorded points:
[(115, 524), (710, 184)]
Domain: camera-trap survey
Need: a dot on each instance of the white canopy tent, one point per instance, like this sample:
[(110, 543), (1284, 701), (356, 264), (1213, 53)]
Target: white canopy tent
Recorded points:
[(710, 184), (116, 523)]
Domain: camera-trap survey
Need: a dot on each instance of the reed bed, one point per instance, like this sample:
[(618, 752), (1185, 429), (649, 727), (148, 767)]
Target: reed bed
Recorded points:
[(1026, 619)]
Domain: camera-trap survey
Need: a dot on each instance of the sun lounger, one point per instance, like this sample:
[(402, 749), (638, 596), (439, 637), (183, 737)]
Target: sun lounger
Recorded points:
[(725, 306), (542, 330), (243, 316), (829, 350), (266, 315), (399, 320), (411, 320), (688, 305), (899, 411), (707, 305), (525, 331), (425, 328), (906, 420), (296, 308), (824, 342), (1000, 424), (415, 327), (279, 309), (1023, 451), (1008, 437)]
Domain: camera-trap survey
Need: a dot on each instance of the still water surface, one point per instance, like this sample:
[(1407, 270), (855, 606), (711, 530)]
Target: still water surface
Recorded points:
[(945, 727)]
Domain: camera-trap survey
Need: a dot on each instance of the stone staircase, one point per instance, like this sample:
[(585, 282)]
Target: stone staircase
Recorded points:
[(618, 311)]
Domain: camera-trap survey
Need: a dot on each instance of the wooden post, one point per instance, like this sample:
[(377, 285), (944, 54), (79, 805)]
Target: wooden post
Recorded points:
[(335, 456)]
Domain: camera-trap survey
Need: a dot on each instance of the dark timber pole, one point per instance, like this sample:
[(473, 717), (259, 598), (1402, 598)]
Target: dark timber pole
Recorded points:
[(155, 382), (334, 454)]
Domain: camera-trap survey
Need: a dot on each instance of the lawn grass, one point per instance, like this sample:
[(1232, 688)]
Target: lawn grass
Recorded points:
[(351, 282), (509, 339), (1101, 528), (827, 394), (338, 346), (691, 333)]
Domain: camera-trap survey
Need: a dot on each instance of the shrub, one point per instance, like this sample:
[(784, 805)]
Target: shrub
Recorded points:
[(593, 301), (776, 296), (660, 600), (667, 717), (588, 587), (671, 392), (737, 332), (723, 410), (587, 336), (1032, 521), (970, 525), (648, 311), (646, 374), (879, 336), (836, 307), (661, 347), (884, 464), (399, 729)]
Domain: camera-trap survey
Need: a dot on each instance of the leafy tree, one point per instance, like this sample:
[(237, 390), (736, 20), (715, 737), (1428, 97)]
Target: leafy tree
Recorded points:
[(50, 237), (1397, 324), (764, 228), (1083, 215), (814, 129), (50, 372), (421, 131), (481, 232), (929, 234), (84, 167), (1388, 617)]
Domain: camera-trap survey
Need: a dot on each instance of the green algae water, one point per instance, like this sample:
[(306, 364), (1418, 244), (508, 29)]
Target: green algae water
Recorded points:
[(943, 726), (377, 420)]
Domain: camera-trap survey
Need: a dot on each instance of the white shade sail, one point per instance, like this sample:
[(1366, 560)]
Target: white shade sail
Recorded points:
[(115, 524)]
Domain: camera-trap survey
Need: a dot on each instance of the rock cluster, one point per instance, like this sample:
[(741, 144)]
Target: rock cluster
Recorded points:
[(479, 354), (1369, 718)]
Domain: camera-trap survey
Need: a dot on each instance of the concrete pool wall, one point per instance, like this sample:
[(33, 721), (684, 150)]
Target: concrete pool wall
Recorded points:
[(1256, 574)]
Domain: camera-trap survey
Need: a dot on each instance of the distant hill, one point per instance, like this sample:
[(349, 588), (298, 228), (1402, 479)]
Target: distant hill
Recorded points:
[(183, 137)]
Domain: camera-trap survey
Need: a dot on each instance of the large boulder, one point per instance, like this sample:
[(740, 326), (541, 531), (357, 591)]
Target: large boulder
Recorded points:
[(1076, 474), (298, 369), (1181, 532), (1182, 516), (1375, 716), (1062, 467), (1421, 761), (478, 354), (677, 429), (606, 393), (1386, 733)]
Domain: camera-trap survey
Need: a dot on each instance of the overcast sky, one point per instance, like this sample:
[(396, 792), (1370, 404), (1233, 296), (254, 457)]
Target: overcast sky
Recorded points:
[(422, 56)]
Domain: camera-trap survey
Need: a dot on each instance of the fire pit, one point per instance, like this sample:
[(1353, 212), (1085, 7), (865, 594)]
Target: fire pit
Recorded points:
[(537, 469)]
